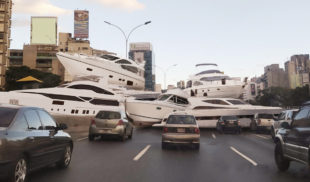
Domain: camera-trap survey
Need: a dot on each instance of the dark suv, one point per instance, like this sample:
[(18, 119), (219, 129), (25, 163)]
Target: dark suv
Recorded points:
[(293, 140), (30, 139)]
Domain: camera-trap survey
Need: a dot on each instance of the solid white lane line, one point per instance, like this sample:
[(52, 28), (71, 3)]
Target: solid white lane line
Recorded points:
[(80, 139), (142, 153), (264, 137), (244, 156), (213, 136)]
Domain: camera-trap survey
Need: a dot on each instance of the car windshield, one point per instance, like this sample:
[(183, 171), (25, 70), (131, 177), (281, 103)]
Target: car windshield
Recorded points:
[(229, 118), (6, 116), (181, 119), (265, 116), (108, 115)]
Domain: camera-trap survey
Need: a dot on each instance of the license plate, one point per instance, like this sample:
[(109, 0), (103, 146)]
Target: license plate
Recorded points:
[(181, 130)]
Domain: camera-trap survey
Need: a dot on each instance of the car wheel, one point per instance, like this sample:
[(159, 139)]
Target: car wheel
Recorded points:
[(164, 145), (66, 158), (91, 137), (130, 136), (282, 163), (196, 146), (20, 171)]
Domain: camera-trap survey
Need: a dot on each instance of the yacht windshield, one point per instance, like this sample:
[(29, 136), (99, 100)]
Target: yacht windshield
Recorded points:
[(164, 97), (109, 57)]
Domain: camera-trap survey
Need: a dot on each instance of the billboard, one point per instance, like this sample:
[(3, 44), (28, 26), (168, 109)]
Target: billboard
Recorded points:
[(81, 24), (44, 30), (253, 89)]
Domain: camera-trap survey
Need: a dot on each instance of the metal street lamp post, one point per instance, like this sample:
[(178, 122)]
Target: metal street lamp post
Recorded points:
[(127, 36), (165, 73)]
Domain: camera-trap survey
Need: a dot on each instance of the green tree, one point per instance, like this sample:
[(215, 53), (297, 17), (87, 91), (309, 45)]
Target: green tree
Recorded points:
[(15, 73)]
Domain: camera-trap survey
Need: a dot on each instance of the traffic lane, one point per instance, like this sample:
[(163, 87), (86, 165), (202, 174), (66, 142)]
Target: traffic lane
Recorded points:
[(94, 161), (260, 148)]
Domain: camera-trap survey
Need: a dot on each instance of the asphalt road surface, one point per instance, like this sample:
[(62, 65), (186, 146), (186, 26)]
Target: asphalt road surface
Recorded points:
[(222, 157)]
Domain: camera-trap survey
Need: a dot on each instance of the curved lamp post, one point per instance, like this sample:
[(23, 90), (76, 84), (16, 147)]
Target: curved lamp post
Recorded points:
[(127, 36), (165, 73)]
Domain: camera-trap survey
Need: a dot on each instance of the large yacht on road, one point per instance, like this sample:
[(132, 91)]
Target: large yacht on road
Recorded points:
[(78, 98), (114, 70), (213, 83), (206, 110)]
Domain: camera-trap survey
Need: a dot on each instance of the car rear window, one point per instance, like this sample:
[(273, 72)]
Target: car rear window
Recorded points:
[(230, 118), (108, 115), (6, 116), (265, 116), (179, 119)]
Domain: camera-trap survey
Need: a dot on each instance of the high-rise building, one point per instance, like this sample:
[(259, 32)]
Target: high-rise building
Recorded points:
[(275, 76), (5, 34), (181, 84), (142, 53), (297, 70)]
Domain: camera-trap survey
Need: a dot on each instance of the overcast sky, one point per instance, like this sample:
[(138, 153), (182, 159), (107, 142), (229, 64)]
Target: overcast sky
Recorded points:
[(241, 36)]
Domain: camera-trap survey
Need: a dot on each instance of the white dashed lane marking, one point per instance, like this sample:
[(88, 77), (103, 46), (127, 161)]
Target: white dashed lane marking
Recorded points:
[(142, 153), (244, 156)]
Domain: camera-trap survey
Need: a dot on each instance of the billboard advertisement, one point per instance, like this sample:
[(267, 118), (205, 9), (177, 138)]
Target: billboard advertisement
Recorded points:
[(253, 89), (44, 30), (81, 24)]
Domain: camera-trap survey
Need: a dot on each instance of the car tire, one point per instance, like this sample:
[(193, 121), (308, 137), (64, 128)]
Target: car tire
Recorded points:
[(164, 145), (19, 172), (196, 146), (282, 163), (91, 138), (65, 160), (272, 133), (123, 137), (130, 136)]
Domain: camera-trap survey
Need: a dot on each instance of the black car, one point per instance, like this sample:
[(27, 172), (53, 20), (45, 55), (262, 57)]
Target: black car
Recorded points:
[(293, 140), (30, 139), (228, 123)]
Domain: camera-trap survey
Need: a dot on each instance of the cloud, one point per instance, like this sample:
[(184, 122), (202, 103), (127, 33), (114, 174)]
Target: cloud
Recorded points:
[(129, 5), (20, 23), (38, 7)]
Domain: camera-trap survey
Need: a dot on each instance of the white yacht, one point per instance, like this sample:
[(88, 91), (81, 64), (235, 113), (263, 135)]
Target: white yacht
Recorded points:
[(206, 110), (79, 98), (213, 83), (115, 70), (147, 113)]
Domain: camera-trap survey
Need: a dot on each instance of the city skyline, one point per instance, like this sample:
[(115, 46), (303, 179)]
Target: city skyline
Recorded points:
[(241, 37)]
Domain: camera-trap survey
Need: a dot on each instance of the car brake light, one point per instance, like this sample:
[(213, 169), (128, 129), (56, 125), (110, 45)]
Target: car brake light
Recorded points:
[(120, 122), (92, 122), (197, 130), (222, 123), (165, 129)]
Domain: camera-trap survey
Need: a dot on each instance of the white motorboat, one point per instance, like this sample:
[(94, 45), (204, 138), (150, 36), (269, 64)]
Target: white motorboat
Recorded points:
[(213, 83), (115, 70), (79, 98)]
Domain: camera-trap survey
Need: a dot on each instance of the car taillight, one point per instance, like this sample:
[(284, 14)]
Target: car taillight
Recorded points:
[(92, 122), (197, 130), (222, 123), (165, 129), (120, 122), (238, 122)]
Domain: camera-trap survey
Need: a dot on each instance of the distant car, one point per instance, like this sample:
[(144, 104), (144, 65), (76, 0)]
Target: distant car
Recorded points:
[(181, 128), (262, 122), (110, 123), (228, 123), (30, 139), (293, 140), (284, 116)]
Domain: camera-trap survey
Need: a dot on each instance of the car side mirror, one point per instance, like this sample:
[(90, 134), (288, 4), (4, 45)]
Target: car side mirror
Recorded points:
[(285, 125), (62, 126)]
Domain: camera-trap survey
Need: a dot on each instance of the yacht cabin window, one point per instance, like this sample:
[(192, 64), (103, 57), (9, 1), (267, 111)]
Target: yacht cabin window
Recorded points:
[(236, 102), (197, 83), (178, 100), (130, 68), (109, 57), (216, 101), (164, 97), (123, 61), (93, 88)]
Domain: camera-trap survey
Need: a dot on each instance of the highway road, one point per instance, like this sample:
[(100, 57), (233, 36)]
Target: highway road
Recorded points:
[(222, 157)]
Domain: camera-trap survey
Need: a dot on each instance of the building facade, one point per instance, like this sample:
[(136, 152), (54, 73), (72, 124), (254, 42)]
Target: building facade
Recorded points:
[(142, 53), (297, 70), (181, 84), (274, 76), (5, 34)]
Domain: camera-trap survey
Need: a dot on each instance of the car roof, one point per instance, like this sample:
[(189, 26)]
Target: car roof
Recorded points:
[(18, 107)]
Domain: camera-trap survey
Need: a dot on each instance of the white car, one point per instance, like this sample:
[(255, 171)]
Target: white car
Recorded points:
[(284, 116), (262, 122)]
